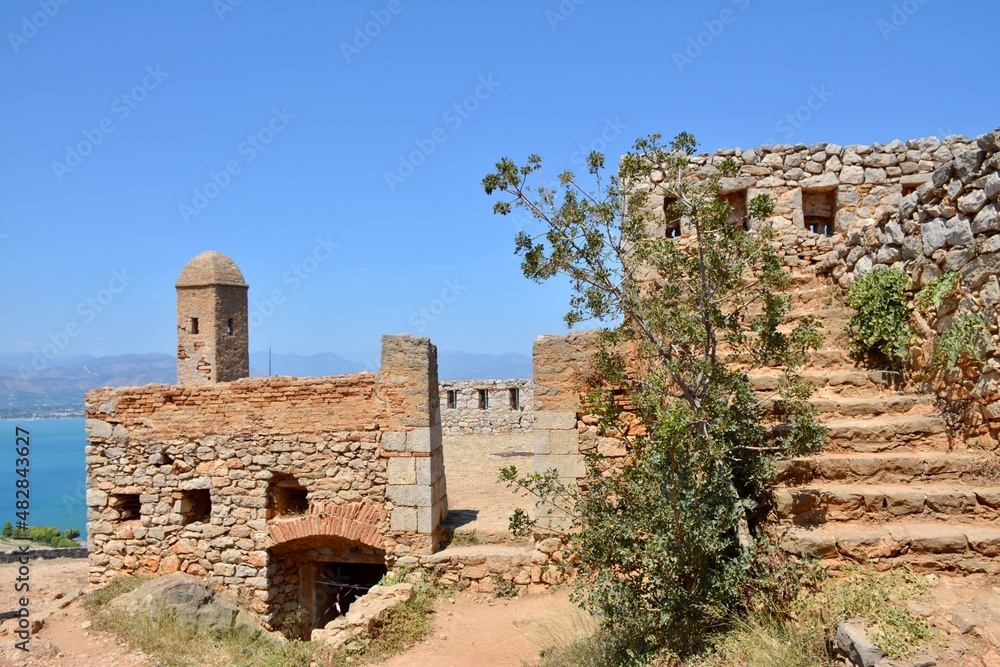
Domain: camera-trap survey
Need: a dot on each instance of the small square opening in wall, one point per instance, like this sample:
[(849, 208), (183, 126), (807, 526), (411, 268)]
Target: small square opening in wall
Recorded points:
[(229, 327), (196, 505), (193, 328), (515, 398), (672, 217), (452, 399), (737, 200), (484, 399), (286, 497), (819, 209), (127, 505)]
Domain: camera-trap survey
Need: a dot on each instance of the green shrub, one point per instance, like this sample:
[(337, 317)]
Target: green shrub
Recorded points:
[(880, 327), (933, 293), (962, 342)]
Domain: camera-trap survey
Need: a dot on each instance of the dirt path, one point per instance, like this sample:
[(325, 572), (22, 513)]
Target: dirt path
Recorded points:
[(63, 640), (472, 632)]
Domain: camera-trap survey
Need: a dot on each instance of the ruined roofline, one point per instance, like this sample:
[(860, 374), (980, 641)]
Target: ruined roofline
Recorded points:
[(891, 146)]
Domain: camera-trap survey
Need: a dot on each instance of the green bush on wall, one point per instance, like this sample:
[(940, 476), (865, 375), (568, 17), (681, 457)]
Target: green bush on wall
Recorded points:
[(880, 326)]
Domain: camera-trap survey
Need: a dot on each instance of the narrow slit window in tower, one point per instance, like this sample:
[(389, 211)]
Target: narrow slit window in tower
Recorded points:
[(484, 399), (452, 399), (515, 398), (819, 209), (194, 325), (229, 327)]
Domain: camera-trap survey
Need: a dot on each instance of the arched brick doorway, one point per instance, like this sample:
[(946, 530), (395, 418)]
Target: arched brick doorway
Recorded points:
[(320, 563)]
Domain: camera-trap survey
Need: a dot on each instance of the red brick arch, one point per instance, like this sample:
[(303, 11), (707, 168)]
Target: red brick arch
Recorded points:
[(358, 522)]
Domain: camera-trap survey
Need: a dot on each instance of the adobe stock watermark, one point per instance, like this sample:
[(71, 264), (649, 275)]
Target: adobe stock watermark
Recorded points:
[(612, 130), (248, 150), (795, 119), (30, 25), (363, 35), (422, 317), (454, 116), (900, 14), (121, 107), (294, 278), (223, 7), (697, 44), (562, 12), (86, 312)]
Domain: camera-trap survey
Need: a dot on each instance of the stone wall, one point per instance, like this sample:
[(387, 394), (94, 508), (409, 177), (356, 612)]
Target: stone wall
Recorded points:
[(234, 481), (499, 415), (924, 206)]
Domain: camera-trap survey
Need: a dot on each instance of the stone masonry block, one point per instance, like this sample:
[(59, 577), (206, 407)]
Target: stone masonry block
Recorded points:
[(568, 465), (425, 520), (564, 442), (404, 518), (96, 498), (97, 428), (422, 468), (542, 443), (409, 495), (402, 470), (394, 441), (419, 440), (553, 421)]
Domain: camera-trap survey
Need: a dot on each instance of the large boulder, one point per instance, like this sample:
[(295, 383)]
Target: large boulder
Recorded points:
[(193, 602)]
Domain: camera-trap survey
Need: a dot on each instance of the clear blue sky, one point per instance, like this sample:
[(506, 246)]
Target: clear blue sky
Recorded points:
[(117, 114)]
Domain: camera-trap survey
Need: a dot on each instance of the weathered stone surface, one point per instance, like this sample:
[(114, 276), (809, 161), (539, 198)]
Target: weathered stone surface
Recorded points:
[(194, 603), (853, 641)]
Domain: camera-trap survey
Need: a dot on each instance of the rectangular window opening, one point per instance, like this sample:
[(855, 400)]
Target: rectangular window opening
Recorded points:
[(452, 399), (194, 325), (484, 399), (515, 398), (127, 505), (819, 210), (195, 505), (672, 217), (229, 327), (737, 201)]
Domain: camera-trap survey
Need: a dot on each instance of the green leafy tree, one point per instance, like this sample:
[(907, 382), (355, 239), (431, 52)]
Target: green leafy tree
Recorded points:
[(8, 530), (666, 541)]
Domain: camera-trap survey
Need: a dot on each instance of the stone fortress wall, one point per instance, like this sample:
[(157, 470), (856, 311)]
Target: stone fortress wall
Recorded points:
[(486, 407), (261, 485), (923, 206), (249, 483)]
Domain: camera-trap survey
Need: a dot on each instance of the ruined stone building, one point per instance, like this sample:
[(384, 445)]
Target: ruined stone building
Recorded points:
[(265, 486), (271, 486)]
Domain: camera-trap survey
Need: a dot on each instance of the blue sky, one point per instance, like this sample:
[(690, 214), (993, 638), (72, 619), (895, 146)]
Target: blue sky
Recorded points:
[(335, 150)]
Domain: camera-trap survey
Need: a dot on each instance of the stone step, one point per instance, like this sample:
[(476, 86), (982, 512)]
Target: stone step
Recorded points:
[(887, 431), (887, 467), (866, 406), (844, 380), (970, 547), (823, 503)]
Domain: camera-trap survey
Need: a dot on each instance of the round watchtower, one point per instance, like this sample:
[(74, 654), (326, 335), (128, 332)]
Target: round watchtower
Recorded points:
[(212, 331)]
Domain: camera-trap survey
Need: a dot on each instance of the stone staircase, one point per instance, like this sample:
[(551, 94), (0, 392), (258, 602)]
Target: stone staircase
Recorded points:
[(890, 485)]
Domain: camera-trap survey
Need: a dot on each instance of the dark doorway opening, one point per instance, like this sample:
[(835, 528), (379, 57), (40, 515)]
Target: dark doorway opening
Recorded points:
[(335, 586)]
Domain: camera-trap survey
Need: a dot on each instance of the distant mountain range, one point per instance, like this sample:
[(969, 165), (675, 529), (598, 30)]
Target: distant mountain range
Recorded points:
[(33, 387)]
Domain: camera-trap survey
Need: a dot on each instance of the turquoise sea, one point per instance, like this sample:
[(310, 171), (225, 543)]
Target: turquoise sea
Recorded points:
[(57, 473)]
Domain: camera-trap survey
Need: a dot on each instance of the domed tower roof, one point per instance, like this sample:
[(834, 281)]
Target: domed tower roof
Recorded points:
[(210, 268)]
